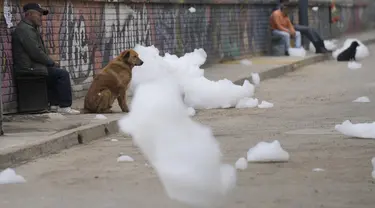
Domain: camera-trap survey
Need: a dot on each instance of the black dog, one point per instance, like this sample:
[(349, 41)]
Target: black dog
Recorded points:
[(349, 53)]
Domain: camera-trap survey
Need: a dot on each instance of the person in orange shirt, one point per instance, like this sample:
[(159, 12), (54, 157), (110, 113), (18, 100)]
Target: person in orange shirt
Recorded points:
[(281, 26)]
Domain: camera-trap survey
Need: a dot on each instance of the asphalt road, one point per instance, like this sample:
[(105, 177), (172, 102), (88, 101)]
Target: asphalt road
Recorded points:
[(308, 104)]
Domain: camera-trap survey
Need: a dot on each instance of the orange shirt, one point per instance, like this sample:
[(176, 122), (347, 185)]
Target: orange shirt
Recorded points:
[(280, 22)]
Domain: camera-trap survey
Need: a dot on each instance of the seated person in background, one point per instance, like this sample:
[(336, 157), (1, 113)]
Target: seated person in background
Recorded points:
[(308, 32), (30, 58), (281, 26)]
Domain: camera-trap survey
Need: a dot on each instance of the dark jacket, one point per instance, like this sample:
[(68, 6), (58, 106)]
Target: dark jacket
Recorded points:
[(30, 56)]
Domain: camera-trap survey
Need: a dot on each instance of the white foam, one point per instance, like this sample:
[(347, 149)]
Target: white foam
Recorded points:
[(100, 117), (359, 130), (125, 158), (297, 52), (363, 99), (9, 176), (353, 65), (265, 104), (199, 92), (318, 170), (241, 163), (191, 111), (256, 78), (362, 50), (246, 62), (247, 103), (267, 152), (114, 140), (184, 153)]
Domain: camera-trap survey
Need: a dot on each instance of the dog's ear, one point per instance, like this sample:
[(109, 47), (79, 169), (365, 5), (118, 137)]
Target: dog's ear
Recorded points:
[(126, 55)]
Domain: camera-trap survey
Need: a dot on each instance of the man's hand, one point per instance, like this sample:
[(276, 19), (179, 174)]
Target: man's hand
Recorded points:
[(292, 34)]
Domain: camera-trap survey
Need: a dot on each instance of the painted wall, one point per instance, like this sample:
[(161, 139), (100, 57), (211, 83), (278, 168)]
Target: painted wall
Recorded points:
[(84, 36)]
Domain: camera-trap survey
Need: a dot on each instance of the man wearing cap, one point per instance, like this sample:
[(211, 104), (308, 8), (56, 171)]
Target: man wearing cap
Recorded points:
[(30, 57)]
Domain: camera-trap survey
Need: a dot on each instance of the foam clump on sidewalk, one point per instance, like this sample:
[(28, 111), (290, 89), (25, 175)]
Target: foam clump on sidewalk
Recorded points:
[(184, 153), (297, 52), (9, 176), (246, 62), (267, 152), (359, 130), (198, 91)]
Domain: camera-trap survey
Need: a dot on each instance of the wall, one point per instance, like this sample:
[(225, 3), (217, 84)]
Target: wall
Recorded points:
[(85, 35)]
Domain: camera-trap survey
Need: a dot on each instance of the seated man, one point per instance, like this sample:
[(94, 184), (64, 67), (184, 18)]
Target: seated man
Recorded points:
[(281, 26), (308, 32), (30, 58)]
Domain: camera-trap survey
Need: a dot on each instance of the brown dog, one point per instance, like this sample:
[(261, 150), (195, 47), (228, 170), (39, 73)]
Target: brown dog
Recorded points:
[(112, 83)]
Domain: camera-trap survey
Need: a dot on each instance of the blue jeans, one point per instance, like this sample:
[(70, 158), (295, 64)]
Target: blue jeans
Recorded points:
[(59, 88), (286, 38)]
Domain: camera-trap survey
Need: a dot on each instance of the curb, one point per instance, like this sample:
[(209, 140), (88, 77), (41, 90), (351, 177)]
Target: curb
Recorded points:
[(57, 142), (85, 134), (279, 71)]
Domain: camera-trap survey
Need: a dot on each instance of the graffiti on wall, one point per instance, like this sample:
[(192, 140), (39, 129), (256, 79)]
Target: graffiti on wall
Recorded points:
[(85, 36), (124, 27), (74, 50)]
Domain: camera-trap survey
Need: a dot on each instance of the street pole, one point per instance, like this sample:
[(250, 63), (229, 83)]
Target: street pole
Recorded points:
[(1, 106), (303, 17)]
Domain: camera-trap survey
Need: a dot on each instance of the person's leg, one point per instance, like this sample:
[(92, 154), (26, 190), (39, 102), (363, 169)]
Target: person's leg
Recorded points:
[(63, 89), (318, 41), (313, 36), (285, 36), (305, 31), (298, 39), (53, 97)]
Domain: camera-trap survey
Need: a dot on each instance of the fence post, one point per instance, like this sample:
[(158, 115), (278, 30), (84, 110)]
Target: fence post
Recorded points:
[(303, 17), (1, 106)]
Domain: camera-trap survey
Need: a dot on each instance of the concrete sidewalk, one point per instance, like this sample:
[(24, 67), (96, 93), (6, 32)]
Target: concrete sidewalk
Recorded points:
[(30, 136)]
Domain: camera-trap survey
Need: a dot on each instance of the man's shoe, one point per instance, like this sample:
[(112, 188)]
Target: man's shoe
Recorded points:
[(68, 110)]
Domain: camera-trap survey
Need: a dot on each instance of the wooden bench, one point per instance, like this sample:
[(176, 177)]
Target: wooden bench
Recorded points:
[(32, 95)]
